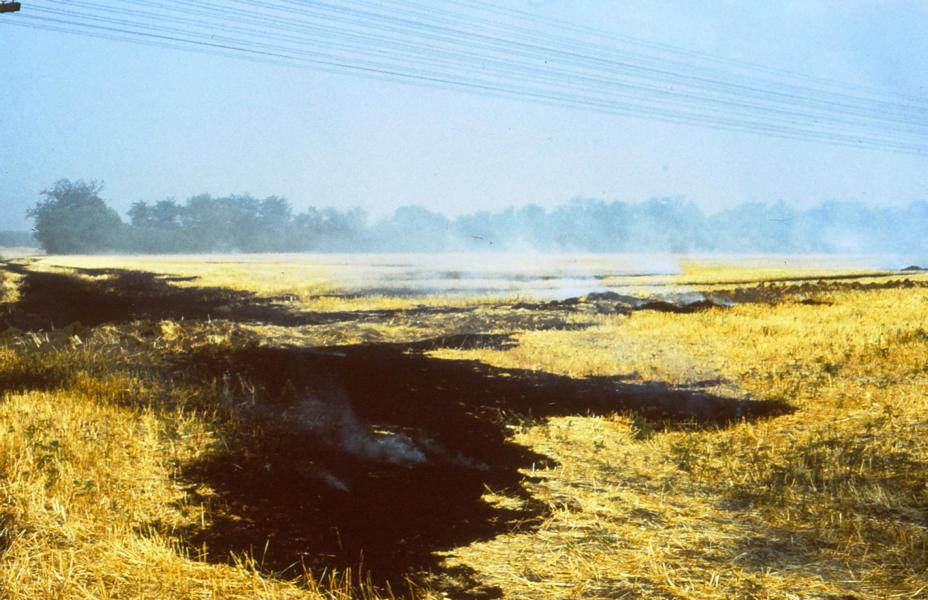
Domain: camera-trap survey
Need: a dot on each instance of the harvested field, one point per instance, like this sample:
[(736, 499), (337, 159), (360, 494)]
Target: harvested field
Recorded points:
[(325, 426)]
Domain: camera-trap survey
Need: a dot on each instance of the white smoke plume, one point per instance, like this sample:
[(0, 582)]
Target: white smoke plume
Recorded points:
[(332, 418)]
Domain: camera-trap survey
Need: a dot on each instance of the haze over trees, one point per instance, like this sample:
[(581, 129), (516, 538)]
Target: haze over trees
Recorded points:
[(73, 218)]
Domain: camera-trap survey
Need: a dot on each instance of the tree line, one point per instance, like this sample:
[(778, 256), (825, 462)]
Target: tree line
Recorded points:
[(71, 217)]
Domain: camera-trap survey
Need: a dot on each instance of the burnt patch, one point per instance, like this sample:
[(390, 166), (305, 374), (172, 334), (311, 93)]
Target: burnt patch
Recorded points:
[(54, 300), (802, 290), (381, 452), (807, 291)]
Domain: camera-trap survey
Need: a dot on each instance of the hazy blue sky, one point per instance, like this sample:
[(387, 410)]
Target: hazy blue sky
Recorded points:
[(153, 123)]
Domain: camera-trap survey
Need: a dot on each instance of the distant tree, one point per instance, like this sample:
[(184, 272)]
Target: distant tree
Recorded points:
[(157, 227), (588, 224), (203, 223), (331, 230), (224, 224), (476, 230), (274, 212), (413, 229), (140, 214), (72, 218), (274, 231), (167, 214)]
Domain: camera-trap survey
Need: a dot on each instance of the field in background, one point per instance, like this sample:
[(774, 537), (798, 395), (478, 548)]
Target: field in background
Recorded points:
[(477, 426), (550, 276)]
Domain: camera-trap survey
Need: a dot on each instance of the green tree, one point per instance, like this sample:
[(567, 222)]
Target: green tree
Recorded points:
[(72, 218)]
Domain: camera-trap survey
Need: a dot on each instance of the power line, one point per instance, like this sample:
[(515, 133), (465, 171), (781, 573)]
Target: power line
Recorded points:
[(685, 53), (676, 72), (239, 15), (406, 44)]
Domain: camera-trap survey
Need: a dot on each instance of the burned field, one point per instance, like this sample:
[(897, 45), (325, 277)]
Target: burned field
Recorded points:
[(749, 437)]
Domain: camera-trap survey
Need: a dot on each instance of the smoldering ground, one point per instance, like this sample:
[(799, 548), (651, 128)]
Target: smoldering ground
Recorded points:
[(328, 414), (325, 412), (382, 450)]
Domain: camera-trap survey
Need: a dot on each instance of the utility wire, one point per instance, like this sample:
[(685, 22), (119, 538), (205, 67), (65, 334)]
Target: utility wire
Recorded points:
[(879, 115), (407, 44)]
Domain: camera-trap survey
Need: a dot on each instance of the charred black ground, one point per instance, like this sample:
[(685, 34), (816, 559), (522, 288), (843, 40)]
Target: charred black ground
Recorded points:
[(310, 493)]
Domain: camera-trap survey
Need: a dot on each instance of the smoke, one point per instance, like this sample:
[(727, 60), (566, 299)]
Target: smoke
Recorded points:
[(327, 414), (550, 276), (333, 420), (458, 458)]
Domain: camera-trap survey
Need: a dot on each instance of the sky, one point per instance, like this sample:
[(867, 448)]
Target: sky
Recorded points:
[(153, 123)]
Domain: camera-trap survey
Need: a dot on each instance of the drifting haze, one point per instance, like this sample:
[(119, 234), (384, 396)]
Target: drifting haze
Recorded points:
[(73, 218)]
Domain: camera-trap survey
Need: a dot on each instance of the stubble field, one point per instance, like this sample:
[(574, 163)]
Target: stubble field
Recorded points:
[(474, 427)]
